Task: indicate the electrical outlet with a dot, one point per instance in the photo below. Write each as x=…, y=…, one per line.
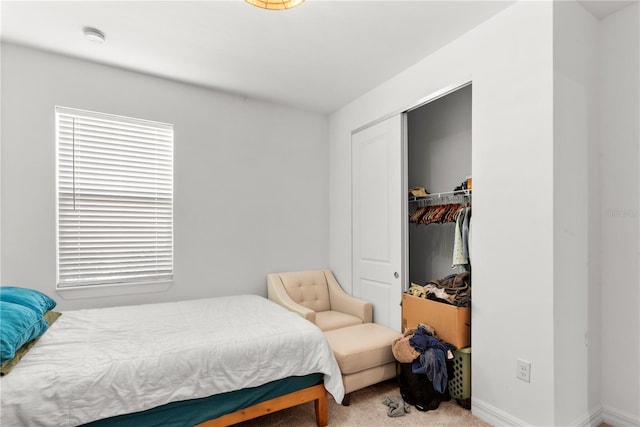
x=524, y=370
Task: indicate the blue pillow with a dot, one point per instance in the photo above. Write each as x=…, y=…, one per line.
x=35, y=300
x=20, y=325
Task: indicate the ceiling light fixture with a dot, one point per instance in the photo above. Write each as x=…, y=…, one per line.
x=275, y=4
x=93, y=35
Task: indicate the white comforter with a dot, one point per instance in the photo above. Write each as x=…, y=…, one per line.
x=94, y=364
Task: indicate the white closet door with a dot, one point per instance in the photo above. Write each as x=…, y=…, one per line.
x=377, y=218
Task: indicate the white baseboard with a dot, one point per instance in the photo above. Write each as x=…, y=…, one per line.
x=618, y=418
x=593, y=419
x=497, y=417
x=492, y=415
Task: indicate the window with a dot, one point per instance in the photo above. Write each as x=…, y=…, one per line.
x=115, y=200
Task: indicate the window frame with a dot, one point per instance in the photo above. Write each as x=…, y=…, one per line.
x=112, y=286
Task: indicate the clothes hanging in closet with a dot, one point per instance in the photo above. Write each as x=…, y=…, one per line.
x=461, y=258
x=435, y=214
x=458, y=213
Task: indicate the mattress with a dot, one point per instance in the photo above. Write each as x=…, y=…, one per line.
x=99, y=363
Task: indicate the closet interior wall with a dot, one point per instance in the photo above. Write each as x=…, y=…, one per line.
x=439, y=159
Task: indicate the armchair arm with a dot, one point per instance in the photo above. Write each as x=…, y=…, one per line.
x=278, y=294
x=345, y=303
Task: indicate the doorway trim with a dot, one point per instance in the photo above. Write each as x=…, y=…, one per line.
x=419, y=103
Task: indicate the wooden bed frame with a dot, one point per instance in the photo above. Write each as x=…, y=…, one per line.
x=316, y=393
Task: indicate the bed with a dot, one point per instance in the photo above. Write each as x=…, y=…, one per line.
x=219, y=361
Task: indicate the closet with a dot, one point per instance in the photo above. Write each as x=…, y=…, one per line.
x=438, y=149
x=439, y=160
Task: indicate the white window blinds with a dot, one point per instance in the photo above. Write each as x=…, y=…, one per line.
x=115, y=199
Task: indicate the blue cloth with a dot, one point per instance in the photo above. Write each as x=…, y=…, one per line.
x=421, y=341
x=432, y=360
x=30, y=298
x=433, y=364
x=20, y=325
x=424, y=362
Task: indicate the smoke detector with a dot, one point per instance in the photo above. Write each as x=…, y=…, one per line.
x=93, y=35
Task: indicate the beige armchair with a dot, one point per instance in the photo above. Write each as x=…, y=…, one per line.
x=362, y=348
x=317, y=296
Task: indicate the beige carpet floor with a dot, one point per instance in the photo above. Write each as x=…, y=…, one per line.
x=367, y=409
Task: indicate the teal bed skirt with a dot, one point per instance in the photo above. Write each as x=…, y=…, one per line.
x=191, y=412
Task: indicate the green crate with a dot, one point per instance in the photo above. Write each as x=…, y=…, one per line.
x=460, y=384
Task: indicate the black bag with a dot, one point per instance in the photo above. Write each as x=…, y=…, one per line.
x=417, y=390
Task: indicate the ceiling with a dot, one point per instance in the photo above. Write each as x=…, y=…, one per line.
x=317, y=56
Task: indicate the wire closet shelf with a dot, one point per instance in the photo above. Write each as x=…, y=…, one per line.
x=444, y=198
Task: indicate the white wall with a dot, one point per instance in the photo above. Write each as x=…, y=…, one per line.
x=509, y=59
x=556, y=140
x=575, y=107
x=250, y=187
x=620, y=211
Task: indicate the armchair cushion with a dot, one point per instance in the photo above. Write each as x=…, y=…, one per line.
x=307, y=288
x=277, y=293
x=329, y=320
x=317, y=296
